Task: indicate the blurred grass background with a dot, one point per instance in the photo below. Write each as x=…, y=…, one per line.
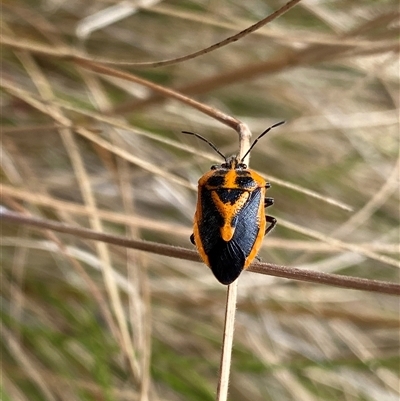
x=87, y=321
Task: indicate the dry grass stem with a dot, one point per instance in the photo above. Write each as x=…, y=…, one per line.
x=183, y=253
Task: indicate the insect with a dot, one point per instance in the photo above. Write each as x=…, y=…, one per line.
x=230, y=220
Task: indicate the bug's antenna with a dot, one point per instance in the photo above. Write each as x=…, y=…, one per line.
x=206, y=141
x=259, y=137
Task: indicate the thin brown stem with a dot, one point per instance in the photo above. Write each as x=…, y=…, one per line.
x=355, y=283
x=231, y=39
x=162, y=90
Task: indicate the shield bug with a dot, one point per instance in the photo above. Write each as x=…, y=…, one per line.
x=230, y=220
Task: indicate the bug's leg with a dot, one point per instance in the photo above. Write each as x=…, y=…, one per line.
x=268, y=202
x=192, y=239
x=272, y=223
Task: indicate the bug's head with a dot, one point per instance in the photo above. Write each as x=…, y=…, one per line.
x=233, y=162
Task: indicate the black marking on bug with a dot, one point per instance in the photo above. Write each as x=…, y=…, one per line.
x=245, y=182
x=227, y=259
x=229, y=195
x=216, y=180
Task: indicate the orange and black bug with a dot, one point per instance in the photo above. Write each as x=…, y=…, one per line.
x=230, y=220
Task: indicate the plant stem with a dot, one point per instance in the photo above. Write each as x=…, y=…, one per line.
x=227, y=342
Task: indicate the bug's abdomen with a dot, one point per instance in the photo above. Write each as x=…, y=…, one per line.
x=233, y=215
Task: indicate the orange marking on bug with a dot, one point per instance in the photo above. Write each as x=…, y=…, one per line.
x=228, y=211
x=196, y=233
x=230, y=180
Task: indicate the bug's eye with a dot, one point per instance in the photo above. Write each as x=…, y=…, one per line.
x=242, y=165
x=214, y=167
